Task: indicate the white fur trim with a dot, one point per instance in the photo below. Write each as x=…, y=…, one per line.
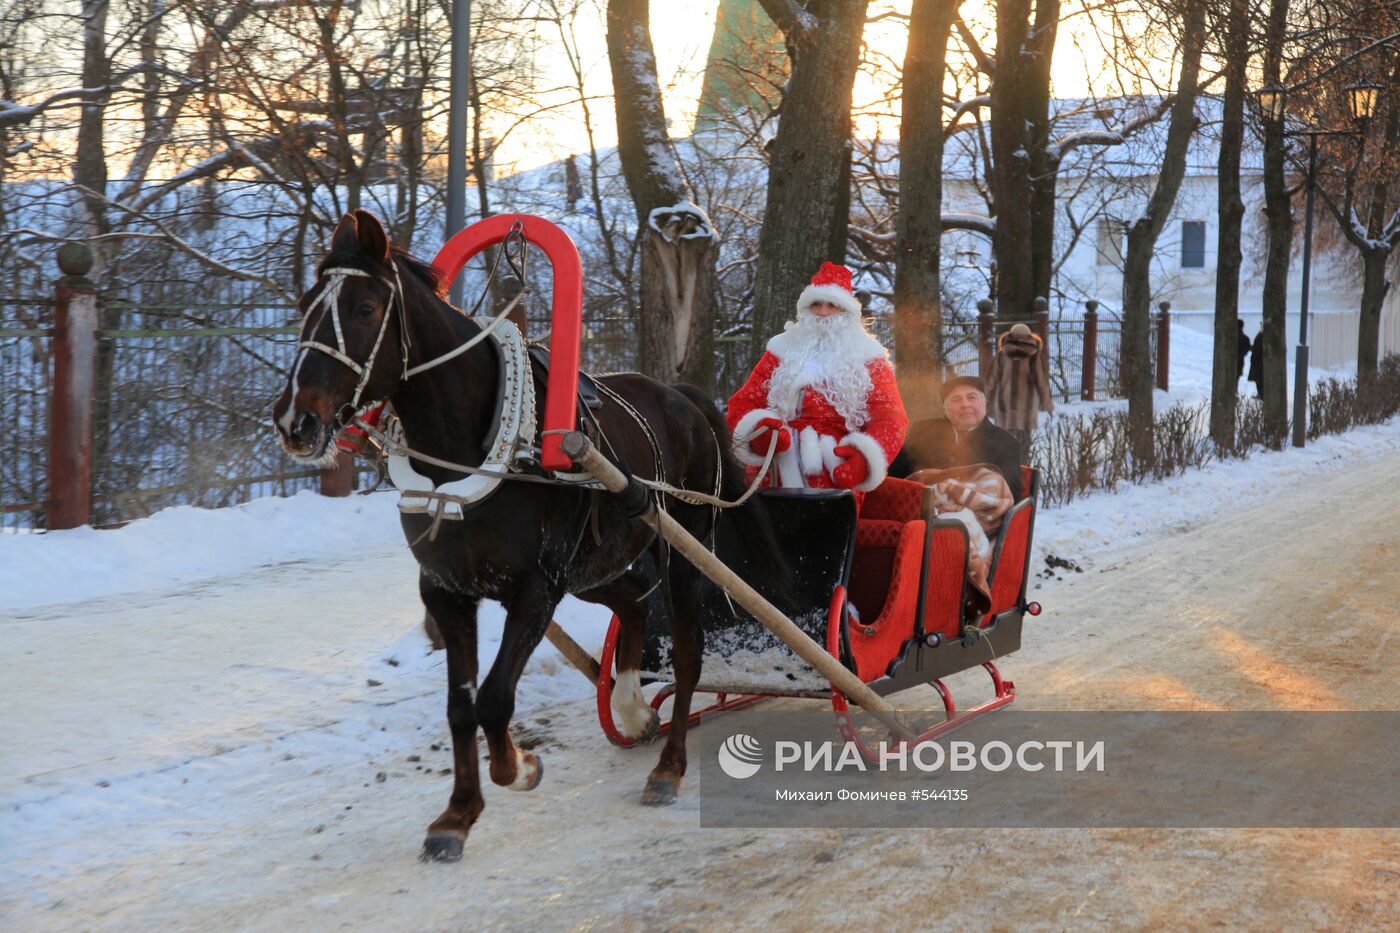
x=744, y=428
x=832, y=293
x=789, y=470
x=809, y=451
x=874, y=455
x=829, y=458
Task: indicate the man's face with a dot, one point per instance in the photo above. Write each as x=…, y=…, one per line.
x=965, y=407
x=823, y=308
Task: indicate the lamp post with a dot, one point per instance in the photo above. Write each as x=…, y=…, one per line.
x=458, y=93
x=1273, y=99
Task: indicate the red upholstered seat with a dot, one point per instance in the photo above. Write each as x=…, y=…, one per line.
x=884, y=589
x=896, y=500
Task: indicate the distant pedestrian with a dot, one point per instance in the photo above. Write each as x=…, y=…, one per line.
x=1242, y=349
x=573, y=186
x=1018, y=389
x=1256, y=361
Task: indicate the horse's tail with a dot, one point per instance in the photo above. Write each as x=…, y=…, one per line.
x=765, y=568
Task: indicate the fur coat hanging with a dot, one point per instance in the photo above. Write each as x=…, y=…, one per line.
x=1019, y=387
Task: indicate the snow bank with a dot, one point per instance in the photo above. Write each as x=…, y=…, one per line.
x=185, y=544
x=1099, y=523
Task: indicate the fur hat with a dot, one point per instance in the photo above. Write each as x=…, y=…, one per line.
x=832, y=283
x=957, y=382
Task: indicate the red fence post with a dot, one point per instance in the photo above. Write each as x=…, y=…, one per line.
x=1164, y=326
x=339, y=480
x=70, y=404
x=1091, y=350
x=986, y=337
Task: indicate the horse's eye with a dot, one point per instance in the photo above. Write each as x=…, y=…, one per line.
x=365, y=311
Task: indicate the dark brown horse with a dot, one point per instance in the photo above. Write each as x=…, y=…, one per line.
x=527, y=544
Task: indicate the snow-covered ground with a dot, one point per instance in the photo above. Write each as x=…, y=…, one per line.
x=230, y=719
x=262, y=749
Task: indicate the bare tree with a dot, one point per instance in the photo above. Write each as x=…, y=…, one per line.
x=808, y=197
x=1144, y=231
x=677, y=239
x=1234, y=30
x=1278, y=210
x=918, y=340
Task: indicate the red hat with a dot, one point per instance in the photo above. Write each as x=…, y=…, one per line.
x=831, y=283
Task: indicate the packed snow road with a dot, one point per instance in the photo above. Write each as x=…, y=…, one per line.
x=264, y=750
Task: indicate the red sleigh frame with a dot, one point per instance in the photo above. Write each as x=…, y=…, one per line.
x=918, y=634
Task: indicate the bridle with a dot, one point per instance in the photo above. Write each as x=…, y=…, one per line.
x=330, y=299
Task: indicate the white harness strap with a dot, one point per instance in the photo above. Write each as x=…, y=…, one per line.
x=516, y=426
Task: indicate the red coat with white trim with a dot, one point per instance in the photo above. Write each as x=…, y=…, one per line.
x=810, y=456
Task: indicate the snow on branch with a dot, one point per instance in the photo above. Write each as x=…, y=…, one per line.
x=964, y=107
x=685, y=216
x=976, y=223
x=13, y=114
x=1109, y=137
x=987, y=226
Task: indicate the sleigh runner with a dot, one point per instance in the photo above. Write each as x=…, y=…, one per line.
x=886, y=594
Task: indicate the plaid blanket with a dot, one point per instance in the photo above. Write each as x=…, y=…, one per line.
x=977, y=496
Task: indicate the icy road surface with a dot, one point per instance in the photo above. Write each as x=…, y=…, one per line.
x=264, y=750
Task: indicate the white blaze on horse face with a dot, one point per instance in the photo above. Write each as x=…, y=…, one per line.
x=285, y=422
x=629, y=704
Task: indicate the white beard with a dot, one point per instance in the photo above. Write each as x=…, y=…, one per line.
x=828, y=355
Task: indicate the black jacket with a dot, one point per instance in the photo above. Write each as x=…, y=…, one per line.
x=934, y=445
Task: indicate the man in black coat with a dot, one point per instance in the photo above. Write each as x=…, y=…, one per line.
x=1242, y=348
x=964, y=437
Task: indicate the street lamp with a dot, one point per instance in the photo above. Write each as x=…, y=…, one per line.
x=1363, y=99
x=1273, y=100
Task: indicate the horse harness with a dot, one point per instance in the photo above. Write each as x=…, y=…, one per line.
x=511, y=446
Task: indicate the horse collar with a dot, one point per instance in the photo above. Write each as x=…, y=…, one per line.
x=514, y=429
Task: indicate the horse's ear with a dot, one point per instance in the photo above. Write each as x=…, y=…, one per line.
x=344, y=239
x=374, y=242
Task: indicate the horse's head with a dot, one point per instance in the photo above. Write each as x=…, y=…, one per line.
x=352, y=349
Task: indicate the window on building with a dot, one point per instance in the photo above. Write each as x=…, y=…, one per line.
x=1113, y=235
x=1193, y=244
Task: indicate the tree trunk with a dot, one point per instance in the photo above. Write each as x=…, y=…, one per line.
x=809, y=155
x=1044, y=170
x=1374, y=288
x=918, y=317
x=1278, y=211
x=1225, y=377
x=1010, y=174
x=677, y=240
x=90, y=172
x=1143, y=234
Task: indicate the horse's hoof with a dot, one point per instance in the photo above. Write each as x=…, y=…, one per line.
x=442, y=847
x=529, y=771
x=660, y=792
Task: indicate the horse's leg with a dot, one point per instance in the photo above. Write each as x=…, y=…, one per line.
x=455, y=615
x=627, y=597
x=664, y=782
x=527, y=616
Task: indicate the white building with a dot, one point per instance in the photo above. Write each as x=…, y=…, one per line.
x=1101, y=187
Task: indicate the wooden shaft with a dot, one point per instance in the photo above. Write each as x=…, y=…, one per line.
x=572, y=651
x=582, y=452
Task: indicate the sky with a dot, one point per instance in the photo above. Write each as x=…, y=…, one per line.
x=681, y=33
